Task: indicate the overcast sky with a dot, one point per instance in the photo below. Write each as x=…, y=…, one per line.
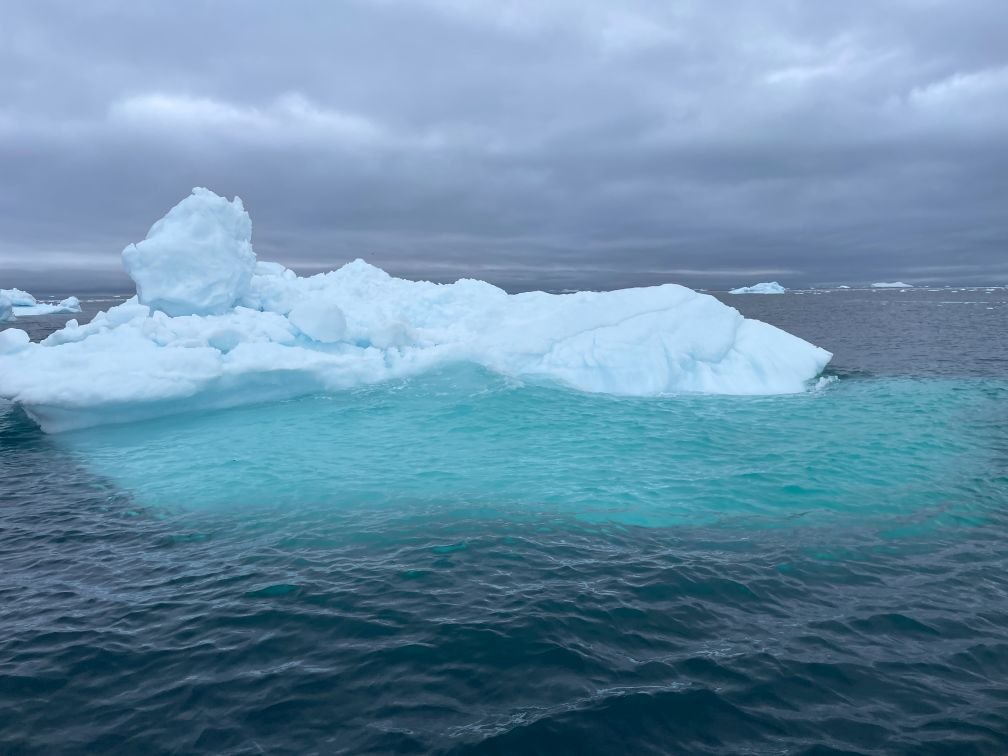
x=552, y=142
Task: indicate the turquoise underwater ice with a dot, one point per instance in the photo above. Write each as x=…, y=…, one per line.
x=464, y=438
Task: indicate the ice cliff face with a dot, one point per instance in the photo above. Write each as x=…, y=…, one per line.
x=210, y=327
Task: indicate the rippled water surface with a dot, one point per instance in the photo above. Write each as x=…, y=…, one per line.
x=459, y=563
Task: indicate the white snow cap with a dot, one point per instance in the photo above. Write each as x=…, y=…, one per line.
x=891, y=285
x=197, y=260
x=761, y=288
x=283, y=336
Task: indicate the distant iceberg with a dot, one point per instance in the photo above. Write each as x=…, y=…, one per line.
x=761, y=288
x=68, y=305
x=24, y=304
x=891, y=285
x=211, y=327
x=843, y=286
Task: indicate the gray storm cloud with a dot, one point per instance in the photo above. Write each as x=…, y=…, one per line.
x=565, y=143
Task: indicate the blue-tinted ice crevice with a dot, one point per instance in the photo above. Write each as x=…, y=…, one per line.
x=212, y=327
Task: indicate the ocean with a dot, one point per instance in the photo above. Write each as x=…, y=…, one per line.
x=463, y=563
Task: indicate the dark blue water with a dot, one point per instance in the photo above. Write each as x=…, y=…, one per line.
x=383, y=618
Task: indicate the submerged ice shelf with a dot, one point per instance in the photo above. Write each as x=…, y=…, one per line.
x=461, y=438
x=211, y=327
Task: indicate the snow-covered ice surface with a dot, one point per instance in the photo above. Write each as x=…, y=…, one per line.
x=771, y=287
x=891, y=285
x=211, y=328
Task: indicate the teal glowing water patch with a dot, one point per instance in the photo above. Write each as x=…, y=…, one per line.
x=468, y=439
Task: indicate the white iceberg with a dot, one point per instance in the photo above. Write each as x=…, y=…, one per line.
x=68, y=305
x=891, y=285
x=287, y=336
x=843, y=286
x=24, y=304
x=761, y=288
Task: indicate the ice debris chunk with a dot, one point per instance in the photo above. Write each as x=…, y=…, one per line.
x=13, y=340
x=319, y=319
x=176, y=346
x=197, y=260
x=6, y=308
x=891, y=285
x=771, y=287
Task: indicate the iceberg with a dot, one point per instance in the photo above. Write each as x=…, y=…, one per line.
x=761, y=288
x=24, y=304
x=68, y=305
x=210, y=327
x=891, y=285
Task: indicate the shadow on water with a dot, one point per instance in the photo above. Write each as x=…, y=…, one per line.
x=44, y=490
x=16, y=429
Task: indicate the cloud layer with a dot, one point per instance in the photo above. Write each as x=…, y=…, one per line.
x=556, y=143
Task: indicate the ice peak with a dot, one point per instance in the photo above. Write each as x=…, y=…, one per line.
x=197, y=260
